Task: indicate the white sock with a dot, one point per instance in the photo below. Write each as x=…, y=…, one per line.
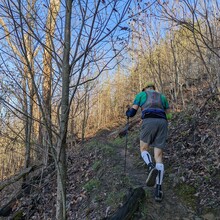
x=146, y=157
x=160, y=168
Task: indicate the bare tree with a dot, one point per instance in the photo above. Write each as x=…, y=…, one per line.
x=81, y=36
x=25, y=67
x=201, y=18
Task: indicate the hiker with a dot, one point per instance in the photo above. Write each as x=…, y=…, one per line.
x=154, y=114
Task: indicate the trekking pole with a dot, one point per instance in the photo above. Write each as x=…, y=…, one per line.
x=126, y=143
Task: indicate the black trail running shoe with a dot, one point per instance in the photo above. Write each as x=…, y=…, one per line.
x=151, y=179
x=158, y=193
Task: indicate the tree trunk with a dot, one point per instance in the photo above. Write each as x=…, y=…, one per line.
x=176, y=77
x=47, y=80
x=85, y=112
x=61, y=156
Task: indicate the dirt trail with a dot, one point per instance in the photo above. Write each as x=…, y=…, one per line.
x=171, y=207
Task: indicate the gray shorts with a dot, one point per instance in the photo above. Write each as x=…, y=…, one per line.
x=154, y=132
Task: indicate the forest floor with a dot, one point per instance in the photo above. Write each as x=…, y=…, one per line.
x=105, y=191
x=98, y=180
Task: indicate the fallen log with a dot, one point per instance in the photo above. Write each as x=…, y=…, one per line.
x=25, y=190
x=124, y=130
x=7, y=208
x=17, y=177
x=135, y=197
x=121, y=132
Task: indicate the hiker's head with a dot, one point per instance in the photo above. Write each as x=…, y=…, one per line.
x=149, y=85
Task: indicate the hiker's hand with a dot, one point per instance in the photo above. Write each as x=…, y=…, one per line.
x=131, y=112
x=128, y=112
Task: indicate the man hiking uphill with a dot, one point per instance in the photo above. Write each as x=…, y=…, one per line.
x=154, y=129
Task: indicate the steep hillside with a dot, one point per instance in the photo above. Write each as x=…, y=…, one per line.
x=99, y=179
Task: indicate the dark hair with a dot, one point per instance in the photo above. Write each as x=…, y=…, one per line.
x=151, y=86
